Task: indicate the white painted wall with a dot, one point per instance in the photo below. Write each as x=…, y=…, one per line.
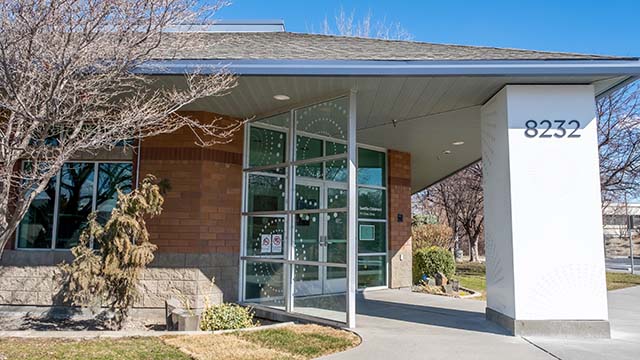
x=545, y=258
x=497, y=207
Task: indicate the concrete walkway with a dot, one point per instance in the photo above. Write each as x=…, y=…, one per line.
x=399, y=324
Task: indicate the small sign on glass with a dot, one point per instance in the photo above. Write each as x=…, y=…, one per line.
x=265, y=240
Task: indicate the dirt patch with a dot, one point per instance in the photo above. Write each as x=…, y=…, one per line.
x=205, y=347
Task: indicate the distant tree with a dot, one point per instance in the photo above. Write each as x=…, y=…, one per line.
x=460, y=197
x=67, y=87
x=348, y=24
x=619, y=143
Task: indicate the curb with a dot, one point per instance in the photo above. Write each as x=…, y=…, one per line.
x=108, y=334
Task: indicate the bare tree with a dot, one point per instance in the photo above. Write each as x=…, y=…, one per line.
x=366, y=26
x=460, y=198
x=619, y=143
x=67, y=87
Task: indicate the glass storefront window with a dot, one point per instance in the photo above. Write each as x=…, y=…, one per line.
x=331, y=304
x=79, y=192
x=372, y=166
x=329, y=119
x=265, y=193
x=371, y=203
x=267, y=147
x=372, y=271
x=36, y=228
x=336, y=198
x=307, y=197
x=313, y=210
x=265, y=236
x=75, y=202
x=264, y=282
x=111, y=178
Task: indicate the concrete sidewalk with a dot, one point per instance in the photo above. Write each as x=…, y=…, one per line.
x=400, y=324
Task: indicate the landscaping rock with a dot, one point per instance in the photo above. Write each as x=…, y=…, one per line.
x=170, y=306
x=448, y=289
x=456, y=285
x=441, y=279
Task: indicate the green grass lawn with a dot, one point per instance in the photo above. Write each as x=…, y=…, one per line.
x=297, y=342
x=472, y=276
x=621, y=280
x=290, y=342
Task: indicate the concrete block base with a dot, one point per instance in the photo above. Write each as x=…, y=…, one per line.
x=599, y=329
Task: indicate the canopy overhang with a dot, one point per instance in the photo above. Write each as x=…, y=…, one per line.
x=421, y=107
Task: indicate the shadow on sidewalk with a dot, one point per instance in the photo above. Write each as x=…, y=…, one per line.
x=428, y=315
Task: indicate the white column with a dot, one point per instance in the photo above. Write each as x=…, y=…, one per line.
x=352, y=214
x=543, y=222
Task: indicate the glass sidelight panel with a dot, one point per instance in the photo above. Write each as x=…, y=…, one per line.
x=372, y=167
x=264, y=283
x=371, y=203
x=336, y=243
x=372, y=271
x=265, y=236
x=265, y=193
x=371, y=237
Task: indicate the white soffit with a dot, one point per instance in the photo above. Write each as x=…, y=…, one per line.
x=429, y=112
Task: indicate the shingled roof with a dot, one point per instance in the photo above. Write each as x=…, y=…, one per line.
x=298, y=46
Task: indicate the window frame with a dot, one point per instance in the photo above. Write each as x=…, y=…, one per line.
x=56, y=205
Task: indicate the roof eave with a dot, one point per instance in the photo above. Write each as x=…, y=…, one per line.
x=265, y=67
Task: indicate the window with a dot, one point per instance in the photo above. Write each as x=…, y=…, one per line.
x=372, y=218
x=58, y=215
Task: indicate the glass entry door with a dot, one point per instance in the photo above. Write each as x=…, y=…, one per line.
x=320, y=237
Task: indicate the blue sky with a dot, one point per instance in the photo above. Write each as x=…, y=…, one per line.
x=609, y=27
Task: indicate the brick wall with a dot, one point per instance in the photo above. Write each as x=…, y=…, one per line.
x=399, y=187
x=200, y=224
x=198, y=233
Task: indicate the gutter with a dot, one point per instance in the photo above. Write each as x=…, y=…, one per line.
x=630, y=67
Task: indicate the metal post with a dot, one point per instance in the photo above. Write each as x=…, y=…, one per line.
x=352, y=223
x=289, y=285
x=629, y=231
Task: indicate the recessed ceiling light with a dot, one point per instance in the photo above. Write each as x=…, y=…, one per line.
x=447, y=152
x=281, y=97
x=457, y=143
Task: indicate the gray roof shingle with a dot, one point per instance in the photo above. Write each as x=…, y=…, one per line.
x=298, y=46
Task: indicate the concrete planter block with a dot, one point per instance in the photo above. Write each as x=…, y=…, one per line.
x=187, y=321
